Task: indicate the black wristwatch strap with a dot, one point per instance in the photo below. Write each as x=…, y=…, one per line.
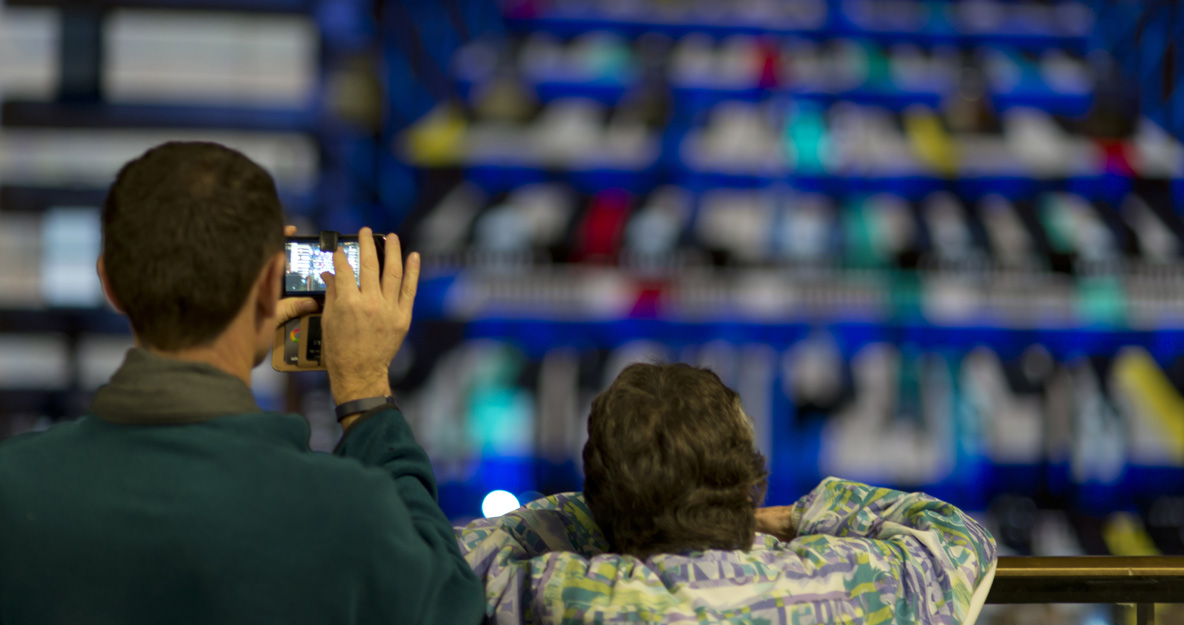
x=362, y=405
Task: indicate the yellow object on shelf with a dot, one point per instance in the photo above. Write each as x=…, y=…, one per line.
x=437, y=140
x=1125, y=536
x=1150, y=392
x=930, y=142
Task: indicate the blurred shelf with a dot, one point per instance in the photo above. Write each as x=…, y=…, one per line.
x=918, y=185
x=537, y=336
x=597, y=303
x=572, y=23
x=751, y=303
x=240, y=6
x=32, y=401
x=26, y=199
x=34, y=114
x=495, y=176
x=35, y=199
x=83, y=320
x=694, y=99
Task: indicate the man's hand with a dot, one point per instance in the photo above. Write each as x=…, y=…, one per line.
x=776, y=521
x=363, y=326
x=292, y=307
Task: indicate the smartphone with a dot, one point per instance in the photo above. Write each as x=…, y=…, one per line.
x=305, y=261
x=297, y=343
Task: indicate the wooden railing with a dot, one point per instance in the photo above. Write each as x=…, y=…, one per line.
x=1131, y=584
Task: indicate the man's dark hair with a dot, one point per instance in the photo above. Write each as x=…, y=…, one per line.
x=671, y=463
x=186, y=229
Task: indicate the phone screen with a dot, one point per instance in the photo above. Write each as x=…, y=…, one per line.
x=306, y=262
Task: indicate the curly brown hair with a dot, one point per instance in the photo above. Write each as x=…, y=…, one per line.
x=671, y=463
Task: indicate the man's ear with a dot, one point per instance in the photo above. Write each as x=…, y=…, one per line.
x=267, y=295
x=102, y=269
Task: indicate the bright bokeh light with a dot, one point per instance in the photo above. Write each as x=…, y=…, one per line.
x=498, y=502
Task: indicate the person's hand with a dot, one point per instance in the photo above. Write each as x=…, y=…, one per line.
x=363, y=326
x=290, y=308
x=776, y=521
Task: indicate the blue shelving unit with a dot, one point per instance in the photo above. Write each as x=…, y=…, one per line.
x=797, y=451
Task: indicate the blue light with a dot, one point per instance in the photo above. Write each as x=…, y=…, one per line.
x=498, y=502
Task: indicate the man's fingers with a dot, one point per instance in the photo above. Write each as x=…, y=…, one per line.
x=410, y=284
x=293, y=307
x=330, y=289
x=392, y=275
x=289, y=230
x=345, y=280
x=368, y=261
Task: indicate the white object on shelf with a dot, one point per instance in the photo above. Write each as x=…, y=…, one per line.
x=28, y=52
x=1010, y=242
x=33, y=361
x=210, y=58
x=1011, y=422
x=1065, y=74
x=948, y=230
x=1157, y=154
x=99, y=357
x=20, y=256
x=446, y=226
x=71, y=240
x=1156, y=241
x=739, y=139
x=738, y=221
x=91, y=158
x=867, y=440
x=1043, y=148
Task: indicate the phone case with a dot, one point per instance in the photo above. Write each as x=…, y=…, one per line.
x=297, y=345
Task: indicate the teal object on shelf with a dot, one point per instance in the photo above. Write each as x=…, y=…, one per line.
x=879, y=74
x=1101, y=301
x=806, y=137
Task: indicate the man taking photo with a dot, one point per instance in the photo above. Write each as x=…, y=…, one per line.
x=176, y=499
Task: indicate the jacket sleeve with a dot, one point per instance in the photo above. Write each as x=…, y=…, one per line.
x=893, y=553
x=450, y=592
x=548, y=541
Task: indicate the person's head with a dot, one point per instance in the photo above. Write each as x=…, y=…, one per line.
x=671, y=463
x=193, y=245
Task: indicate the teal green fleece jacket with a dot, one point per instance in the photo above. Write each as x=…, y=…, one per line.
x=179, y=501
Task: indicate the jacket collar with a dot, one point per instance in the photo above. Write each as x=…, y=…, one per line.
x=149, y=389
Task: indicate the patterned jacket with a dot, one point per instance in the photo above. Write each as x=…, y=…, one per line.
x=863, y=556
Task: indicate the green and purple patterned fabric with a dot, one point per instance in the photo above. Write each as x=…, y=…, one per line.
x=863, y=556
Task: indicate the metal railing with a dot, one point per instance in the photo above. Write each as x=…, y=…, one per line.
x=1131, y=584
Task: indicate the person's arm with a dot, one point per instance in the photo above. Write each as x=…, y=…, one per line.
x=889, y=551
x=365, y=320
x=555, y=533
x=448, y=590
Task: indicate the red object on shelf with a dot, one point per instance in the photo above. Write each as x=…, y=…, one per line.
x=770, y=60
x=1116, y=157
x=647, y=304
x=525, y=9
x=598, y=239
